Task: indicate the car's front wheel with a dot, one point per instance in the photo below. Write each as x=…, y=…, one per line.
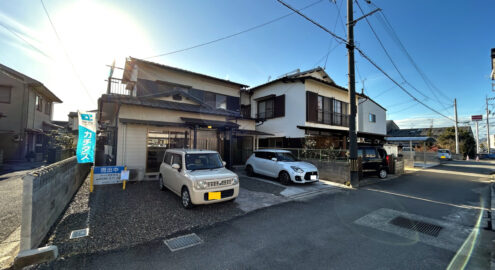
x=186, y=198
x=249, y=170
x=382, y=173
x=284, y=178
x=160, y=181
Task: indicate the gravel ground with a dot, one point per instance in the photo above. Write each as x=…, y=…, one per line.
x=123, y=218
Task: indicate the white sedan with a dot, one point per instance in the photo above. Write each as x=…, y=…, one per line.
x=283, y=165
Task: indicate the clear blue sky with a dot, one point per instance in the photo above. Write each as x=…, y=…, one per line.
x=449, y=40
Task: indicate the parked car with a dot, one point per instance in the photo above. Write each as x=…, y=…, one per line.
x=486, y=156
x=408, y=152
x=374, y=159
x=198, y=177
x=283, y=165
x=444, y=154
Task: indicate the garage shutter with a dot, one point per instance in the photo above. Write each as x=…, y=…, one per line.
x=279, y=106
x=311, y=107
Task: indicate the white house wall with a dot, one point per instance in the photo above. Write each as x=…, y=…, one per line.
x=131, y=147
x=380, y=126
x=295, y=109
x=327, y=91
x=153, y=73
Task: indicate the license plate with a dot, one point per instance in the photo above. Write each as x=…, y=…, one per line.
x=313, y=177
x=214, y=195
x=443, y=156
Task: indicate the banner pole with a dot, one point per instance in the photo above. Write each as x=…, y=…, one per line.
x=123, y=184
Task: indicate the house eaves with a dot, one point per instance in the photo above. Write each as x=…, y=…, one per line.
x=131, y=61
x=168, y=105
x=30, y=82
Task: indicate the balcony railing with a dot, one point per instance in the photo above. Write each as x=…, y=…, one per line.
x=117, y=87
x=334, y=119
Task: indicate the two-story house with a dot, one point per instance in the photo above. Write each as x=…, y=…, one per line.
x=26, y=109
x=164, y=107
x=372, y=121
x=310, y=104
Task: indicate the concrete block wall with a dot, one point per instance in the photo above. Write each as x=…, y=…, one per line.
x=46, y=193
x=335, y=171
x=399, y=167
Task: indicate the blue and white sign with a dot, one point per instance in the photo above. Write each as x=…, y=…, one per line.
x=87, y=137
x=107, y=175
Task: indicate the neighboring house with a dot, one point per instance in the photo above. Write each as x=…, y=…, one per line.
x=26, y=106
x=164, y=107
x=309, y=103
x=372, y=121
x=391, y=125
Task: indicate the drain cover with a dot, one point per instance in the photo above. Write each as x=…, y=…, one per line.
x=183, y=241
x=79, y=233
x=415, y=225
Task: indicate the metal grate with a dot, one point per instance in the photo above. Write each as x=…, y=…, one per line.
x=183, y=241
x=79, y=233
x=415, y=225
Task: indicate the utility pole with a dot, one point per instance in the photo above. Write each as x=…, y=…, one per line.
x=487, y=126
x=456, y=128
x=352, y=97
x=477, y=139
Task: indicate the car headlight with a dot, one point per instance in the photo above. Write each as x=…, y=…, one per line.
x=200, y=184
x=235, y=180
x=297, y=169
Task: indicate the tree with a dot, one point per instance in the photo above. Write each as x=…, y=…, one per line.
x=467, y=144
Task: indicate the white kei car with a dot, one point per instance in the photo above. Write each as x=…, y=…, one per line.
x=198, y=177
x=281, y=164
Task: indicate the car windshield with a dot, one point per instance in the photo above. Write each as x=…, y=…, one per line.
x=287, y=157
x=203, y=161
x=443, y=151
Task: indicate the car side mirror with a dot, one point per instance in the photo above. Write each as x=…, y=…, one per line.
x=175, y=166
x=274, y=159
x=224, y=163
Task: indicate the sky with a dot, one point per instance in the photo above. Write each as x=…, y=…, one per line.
x=448, y=41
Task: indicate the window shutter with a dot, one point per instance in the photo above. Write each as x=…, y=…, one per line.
x=279, y=106
x=311, y=106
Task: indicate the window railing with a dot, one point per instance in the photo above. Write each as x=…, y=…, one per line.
x=316, y=154
x=265, y=115
x=333, y=118
x=117, y=87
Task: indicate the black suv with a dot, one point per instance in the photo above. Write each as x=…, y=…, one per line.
x=374, y=159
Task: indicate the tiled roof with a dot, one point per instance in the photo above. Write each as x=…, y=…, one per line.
x=169, y=105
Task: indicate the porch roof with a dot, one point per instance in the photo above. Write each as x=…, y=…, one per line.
x=212, y=123
x=169, y=105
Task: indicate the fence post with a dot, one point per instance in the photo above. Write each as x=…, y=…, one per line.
x=298, y=153
x=320, y=154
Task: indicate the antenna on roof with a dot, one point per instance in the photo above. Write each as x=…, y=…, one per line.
x=288, y=73
x=269, y=77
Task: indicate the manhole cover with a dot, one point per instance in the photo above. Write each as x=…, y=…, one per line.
x=415, y=225
x=183, y=241
x=79, y=233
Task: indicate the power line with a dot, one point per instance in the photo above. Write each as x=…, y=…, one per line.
x=388, y=26
x=65, y=51
x=366, y=57
x=27, y=42
x=232, y=35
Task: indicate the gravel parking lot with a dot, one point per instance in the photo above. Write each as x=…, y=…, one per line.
x=142, y=213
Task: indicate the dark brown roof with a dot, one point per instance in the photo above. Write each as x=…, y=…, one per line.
x=169, y=105
x=131, y=60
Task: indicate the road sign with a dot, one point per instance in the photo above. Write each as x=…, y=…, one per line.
x=476, y=117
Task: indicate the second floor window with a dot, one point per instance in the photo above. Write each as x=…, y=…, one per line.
x=5, y=93
x=39, y=103
x=372, y=118
x=215, y=100
x=326, y=110
x=265, y=109
x=48, y=108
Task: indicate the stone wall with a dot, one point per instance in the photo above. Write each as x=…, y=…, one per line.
x=46, y=193
x=335, y=171
x=398, y=167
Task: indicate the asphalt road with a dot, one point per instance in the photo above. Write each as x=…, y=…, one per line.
x=349, y=229
x=10, y=205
